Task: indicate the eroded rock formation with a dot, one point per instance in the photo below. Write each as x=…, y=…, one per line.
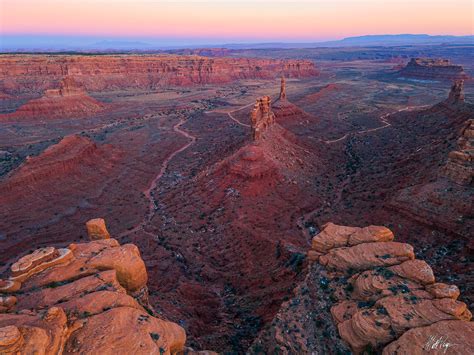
x=456, y=94
x=283, y=89
x=36, y=73
x=365, y=292
x=69, y=100
x=382, y=291
x=433, y=69
x=261, y=117
x=86, y=298
x=96, y=229
x=460, y=165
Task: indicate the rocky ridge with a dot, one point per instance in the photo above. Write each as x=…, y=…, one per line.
x=378, y=295
x=58, y=300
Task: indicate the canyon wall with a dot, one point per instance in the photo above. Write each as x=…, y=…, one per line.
x=36, y=73
x=86, y=298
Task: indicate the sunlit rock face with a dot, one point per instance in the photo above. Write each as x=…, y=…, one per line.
x=86, y=298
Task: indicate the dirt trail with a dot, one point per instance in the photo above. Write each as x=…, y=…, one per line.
x=236, y=120
x=154, y=183
x=383, y=119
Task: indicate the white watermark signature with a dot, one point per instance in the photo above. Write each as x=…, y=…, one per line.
x=438, y=343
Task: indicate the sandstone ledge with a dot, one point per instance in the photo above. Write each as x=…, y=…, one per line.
x=383, y=295
x=87, y=298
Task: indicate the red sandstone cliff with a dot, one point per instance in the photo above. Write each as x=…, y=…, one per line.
x=36, y=73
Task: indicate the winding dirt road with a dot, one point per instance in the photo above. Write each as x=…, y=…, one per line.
x=235, y=119
x=154, y=183
x=382, y=118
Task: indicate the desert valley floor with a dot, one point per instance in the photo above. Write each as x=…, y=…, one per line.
x=224, y=223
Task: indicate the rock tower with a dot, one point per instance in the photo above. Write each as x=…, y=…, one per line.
x=283, y=89
x=261, y=117
x=456, y=95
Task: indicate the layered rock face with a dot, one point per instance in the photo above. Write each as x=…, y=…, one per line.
x=366, y=293
x=384, y=293
x=261, y=117
x=460, y=165
x=433, y=69
x=69, y=100
x=36, y=73
x=86, y=298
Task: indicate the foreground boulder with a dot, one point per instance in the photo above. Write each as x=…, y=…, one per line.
x=382, y=293
x=86, y=298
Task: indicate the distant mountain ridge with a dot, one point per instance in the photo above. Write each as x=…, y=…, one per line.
x=39, y=44
x=366, y=41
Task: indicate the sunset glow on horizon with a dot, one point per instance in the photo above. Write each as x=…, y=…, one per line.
x=301, y=20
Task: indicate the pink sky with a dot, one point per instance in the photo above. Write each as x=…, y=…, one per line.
x=258, y=19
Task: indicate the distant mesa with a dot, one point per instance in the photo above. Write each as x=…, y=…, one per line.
x=433, y=69
x=69, y=100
